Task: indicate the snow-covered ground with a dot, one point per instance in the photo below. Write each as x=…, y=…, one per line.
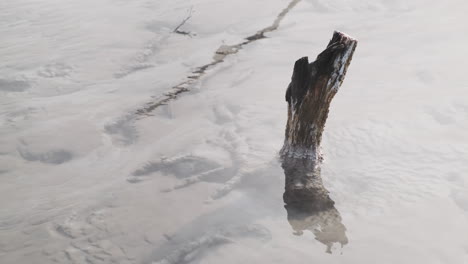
x=84, y=179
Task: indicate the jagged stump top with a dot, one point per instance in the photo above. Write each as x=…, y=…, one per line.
x=313, y=86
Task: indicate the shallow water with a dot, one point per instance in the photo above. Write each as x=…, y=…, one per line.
x=85, y=180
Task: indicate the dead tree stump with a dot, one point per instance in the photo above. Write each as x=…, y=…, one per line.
x=313, y=86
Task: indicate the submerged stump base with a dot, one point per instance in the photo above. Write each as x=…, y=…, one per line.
x=303, y=184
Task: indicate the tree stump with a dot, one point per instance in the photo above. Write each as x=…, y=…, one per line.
x=313, y=86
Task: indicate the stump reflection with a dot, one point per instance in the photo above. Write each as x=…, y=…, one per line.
x=308, y=203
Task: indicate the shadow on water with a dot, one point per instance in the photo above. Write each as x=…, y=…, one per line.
x=308, y=204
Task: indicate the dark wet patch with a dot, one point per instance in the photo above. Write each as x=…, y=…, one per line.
x=134, y=180
x=51, y=157
x=123, y=130
x=179, y=167
x=14, y=85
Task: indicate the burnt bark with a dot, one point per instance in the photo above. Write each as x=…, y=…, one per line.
x=309, y=94
x=313, y=86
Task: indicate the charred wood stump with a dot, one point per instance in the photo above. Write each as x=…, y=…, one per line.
x=312, y=88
